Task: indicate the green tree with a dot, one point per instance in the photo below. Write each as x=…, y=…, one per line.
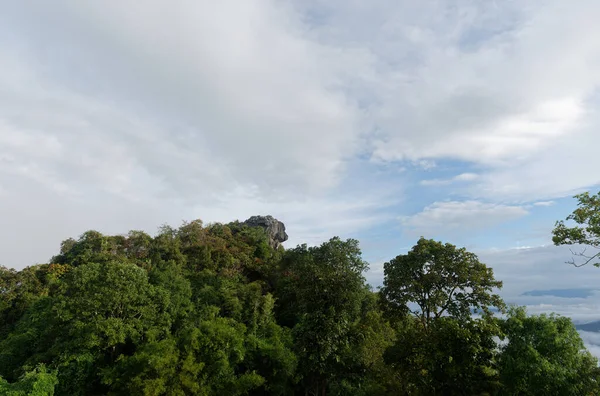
x=430, y=294
x=203, y=359
x=186, y=312
x=544, y=355
x=321, y=292
x=37, y=382
x=214, y=309
x=18, y=291
x=454, y=357
x=364, y=372
x=91, y=247
x=435, y=279
x=585, y=232
x=106, y=311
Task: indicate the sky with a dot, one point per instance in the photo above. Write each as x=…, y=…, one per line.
x=473, y=122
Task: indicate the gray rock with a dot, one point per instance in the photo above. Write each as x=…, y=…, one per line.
x=275, y=229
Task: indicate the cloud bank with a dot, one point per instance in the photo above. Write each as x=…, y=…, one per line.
x=127, y=116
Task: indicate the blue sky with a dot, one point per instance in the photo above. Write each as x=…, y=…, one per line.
x=471, y=122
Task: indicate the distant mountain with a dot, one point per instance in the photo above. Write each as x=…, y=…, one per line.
x=592, y=326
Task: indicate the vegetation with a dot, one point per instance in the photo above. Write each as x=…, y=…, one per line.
x=215, y=310
x=585, y=232
x=545, y=355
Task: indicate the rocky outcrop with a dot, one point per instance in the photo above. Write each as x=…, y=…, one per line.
x=275, y=229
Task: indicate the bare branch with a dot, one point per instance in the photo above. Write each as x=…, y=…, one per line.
x=581, y=254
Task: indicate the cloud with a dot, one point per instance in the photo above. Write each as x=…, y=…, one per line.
x=463, y=177
x=310, y=221
x=460, y=216
x=510, y=87
x=590, y=337
x=544, y=203
x=560, y=170
x=500, y=100
x=564, y=293
x=544, y=268
x=243, y=101
x=179, y=109
x=220, y=108
x=591, y=341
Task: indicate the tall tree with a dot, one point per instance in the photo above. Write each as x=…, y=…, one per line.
x=321, y=294
x=431, y=293
x=435, y=279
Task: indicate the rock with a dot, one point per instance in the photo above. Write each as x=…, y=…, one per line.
x=275, y=229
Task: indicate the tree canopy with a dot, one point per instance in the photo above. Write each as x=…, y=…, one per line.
x=216, y=309
x=438, y=279
x=544, y=355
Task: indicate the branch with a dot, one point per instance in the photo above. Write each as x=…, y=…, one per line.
x=581, y=254
x=438, y=314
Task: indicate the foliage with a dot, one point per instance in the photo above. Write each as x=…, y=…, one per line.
x=439, y=279
x=453, y=358
x=586, y=232
x=20, y=290
x=322, y=292
x=544, y=355
x=37, y=382
x=215, y=310
x=430, y=293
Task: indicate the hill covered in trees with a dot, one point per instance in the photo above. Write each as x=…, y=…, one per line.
x=222, y=309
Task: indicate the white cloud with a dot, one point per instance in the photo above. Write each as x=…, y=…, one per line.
x=544, y=203
x=502, y=100
x=178, y=108
x=581, y=312
x=222, y=108
x=591, y=341
x=242, y=92
x=510, y=86
x=544, y=268
x=590, y=337
x=466, y=177
x=460, y=216
x=562, y=169
x=463, y=177
x=309, y=221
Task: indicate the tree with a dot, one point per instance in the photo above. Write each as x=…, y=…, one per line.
x=91, y=247
x=435, y=279
x=107, y=311
x=586, y=232
x=364, y=372
x=454, y=357
x=18, y=291
x=544, y=355
x=431, y=293
x=37, y=382
x=215, y=310
x=320, y=296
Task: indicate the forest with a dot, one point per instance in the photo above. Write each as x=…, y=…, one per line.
x=218, y=309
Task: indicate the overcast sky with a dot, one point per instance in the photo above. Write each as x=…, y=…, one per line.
x=468, y=121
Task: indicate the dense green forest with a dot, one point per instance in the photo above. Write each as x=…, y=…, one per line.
x=219, y=309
